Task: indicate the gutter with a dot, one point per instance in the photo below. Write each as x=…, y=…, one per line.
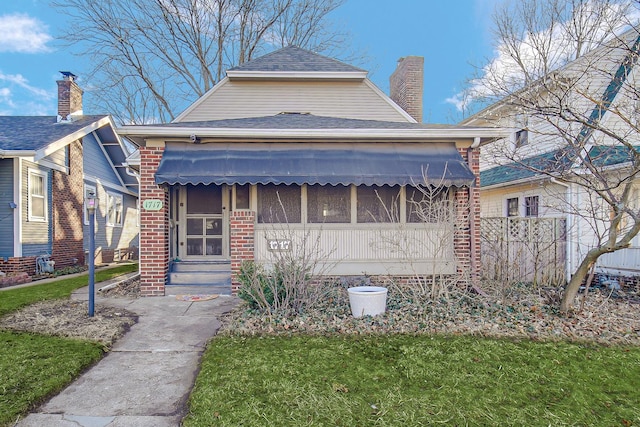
x=324, y=134
x=16, y=153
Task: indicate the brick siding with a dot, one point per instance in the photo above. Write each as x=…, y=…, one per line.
x=154, y=227
x=242, y=226
x=67, y=215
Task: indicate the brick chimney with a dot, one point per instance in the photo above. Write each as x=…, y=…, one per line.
x=69, y=97
x=406, y=85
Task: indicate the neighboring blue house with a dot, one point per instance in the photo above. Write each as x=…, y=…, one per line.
x=48, y=165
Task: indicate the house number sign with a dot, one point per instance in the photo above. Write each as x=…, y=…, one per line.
x=277, y=245
x=152, y=205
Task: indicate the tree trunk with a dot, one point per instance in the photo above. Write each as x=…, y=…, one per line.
x=577, y=279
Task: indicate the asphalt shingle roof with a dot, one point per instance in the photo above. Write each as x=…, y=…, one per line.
x=293, y=58
x=554, y=161
x=302, y=121
x=36, y=132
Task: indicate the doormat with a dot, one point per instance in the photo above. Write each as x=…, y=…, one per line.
x=196, y=297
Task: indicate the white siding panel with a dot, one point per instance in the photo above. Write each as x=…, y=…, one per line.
x=354, y=100
x=399, y=249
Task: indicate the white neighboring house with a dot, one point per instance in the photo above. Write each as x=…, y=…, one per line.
x=521, y=176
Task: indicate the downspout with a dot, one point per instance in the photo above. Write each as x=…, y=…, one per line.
x=569, y=231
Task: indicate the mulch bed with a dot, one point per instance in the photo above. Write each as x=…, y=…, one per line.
x=522, y=313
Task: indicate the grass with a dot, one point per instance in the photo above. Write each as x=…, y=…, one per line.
x=34, y=367
x=14, y=299
x=414, y=380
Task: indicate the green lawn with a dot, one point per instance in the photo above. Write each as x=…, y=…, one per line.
x=410, y=381
x=34, y=367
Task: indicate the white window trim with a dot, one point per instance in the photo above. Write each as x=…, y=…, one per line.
x=45, y=189
x=108, y=210
x=84, y=202
x=506, y=206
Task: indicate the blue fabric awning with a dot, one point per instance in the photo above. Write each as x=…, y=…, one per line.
x=313, y=163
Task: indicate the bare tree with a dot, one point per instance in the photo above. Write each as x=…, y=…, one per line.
x=151, y=58
x=567, y=77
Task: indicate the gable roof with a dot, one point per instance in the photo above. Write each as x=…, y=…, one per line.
x=33, y=133
x=40, y=136
x=294, y=59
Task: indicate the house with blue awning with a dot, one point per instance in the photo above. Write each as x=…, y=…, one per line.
x=301, y=144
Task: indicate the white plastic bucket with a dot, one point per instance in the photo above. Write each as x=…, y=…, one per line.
x=367, y=300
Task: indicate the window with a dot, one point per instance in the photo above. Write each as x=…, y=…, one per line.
x=378, y=204
x=38, y=189
x=88, y=189
x=513, y=207
x=522, y=138
x=328, y=204
x=279, y=204
x=428, y=204
x=114, y=209
x=531, y=205
x=242, y=196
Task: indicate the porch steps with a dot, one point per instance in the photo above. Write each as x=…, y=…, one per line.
x=201, y=277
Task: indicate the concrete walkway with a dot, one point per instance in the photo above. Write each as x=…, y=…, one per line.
x=146, y=378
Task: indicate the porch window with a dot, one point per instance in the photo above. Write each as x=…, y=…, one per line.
x=114, y=210
x=328, y=204
x=378, y=204
x=531, y=206
x=428, y=204
x=279, y=204
x=37, y=196
x=513, y=206
x=242, y=196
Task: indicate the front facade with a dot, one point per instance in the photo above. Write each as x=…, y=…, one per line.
x=300, y=154
x=522, y=175
x=47, y=167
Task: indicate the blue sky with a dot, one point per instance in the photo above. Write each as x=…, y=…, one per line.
x=450, y=35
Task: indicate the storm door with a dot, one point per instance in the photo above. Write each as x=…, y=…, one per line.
x=205, y=229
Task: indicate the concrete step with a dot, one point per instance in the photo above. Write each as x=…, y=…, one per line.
x=184, y=266
x=191, y=289
x=199, y=277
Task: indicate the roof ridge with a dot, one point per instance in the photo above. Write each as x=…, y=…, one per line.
x=293, y=58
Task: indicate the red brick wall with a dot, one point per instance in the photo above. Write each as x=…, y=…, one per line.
x=406, y=85
x=242, y=225
x=18, y=265
x=154, y=227
x=467, y=228
x=67, y=205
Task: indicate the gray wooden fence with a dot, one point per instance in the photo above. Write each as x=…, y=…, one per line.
x=524, y=250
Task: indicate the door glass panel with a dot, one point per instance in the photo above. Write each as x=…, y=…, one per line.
x=194, y=226
x=214, y=227
x=203, y=199
x=214, y=246
x=194, y=246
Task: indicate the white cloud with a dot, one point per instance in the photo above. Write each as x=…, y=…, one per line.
x=20, y=33
x=504, y=68
x=18, y=97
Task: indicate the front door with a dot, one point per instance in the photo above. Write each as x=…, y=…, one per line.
x=204, y=231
